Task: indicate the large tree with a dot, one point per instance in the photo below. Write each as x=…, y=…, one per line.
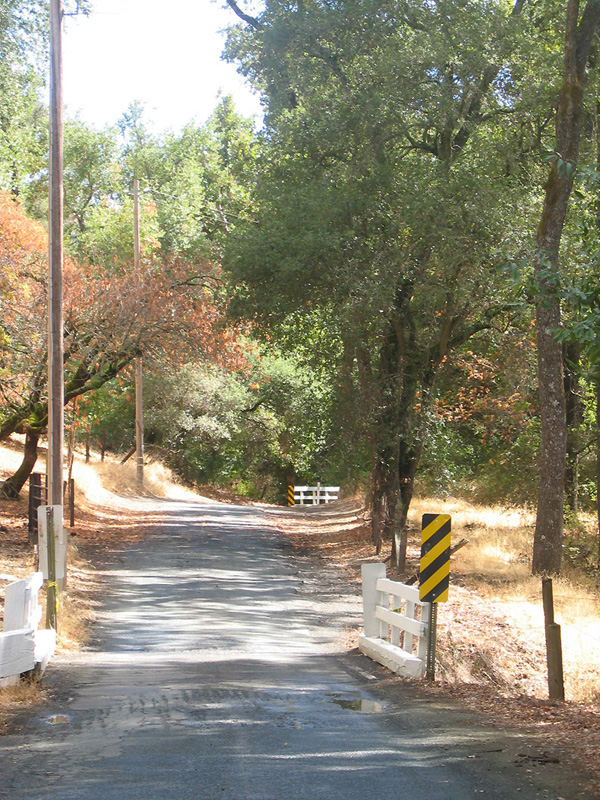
x=581, y=29
x=395, y=151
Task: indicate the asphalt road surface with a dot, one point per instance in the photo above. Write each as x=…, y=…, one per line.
x=217, y=672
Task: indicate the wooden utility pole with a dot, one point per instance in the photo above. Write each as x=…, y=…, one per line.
x=55, y=276
x=139, y=389
x=55, y=281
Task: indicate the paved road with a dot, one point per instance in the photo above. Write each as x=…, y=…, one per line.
x=217, y=674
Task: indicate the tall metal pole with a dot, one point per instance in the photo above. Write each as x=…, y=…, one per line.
x=139, y=391
x=55, y=275
x=55, y=282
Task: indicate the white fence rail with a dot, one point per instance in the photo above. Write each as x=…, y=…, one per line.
x=393, y=635
x=315, y=495
x=22, y=646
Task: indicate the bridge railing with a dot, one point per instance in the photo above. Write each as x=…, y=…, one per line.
x=315, y=495
x=395, y=623
x=22, y=646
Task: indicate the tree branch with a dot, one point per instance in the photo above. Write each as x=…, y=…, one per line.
x=252, y=21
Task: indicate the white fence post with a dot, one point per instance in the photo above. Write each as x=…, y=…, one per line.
x=370, y=574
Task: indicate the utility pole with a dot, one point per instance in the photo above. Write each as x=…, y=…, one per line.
x=55, y=277
x=139, y=389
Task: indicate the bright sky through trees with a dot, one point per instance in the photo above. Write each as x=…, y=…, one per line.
x=167, y=55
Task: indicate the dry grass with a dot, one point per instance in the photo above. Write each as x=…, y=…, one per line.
x=16, y=699
x=494, y=569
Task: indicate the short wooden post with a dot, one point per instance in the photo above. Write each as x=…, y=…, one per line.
x=72, y=502
x=556, y=687
x=35, y=500
x=370, y=575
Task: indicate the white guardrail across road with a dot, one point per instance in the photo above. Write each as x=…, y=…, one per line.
x=315, y=495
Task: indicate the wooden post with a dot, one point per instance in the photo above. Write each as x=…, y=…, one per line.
x=72, y=502
x=556, y=688
x=35, y=501
x=55, y=282
x=56, y=391
x=139, y=403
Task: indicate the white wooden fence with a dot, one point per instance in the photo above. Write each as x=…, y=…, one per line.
x=314, y=495
x=22, y=646
x=393, y=635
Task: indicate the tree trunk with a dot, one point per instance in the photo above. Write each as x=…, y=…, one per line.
x=579, y=36
x=547, y=544
x=597, y=393
x=574, y=419
x=12, y=486
x=390, y=379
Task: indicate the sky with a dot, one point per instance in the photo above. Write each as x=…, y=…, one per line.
x=165, y=54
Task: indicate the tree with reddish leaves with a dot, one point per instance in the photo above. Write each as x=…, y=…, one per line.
x=111, y=317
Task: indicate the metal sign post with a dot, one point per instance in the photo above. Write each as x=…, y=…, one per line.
x=434, y=575
x=431, y=641
x=52, y=588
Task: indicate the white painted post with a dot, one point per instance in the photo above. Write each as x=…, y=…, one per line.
x=33, y=610
x=318, y=493
x=59, y=539
x=14, y=606
x=408, y=637
x=370, y=575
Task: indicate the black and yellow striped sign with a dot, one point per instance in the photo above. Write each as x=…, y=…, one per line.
x=291, y=500
x=434, y=574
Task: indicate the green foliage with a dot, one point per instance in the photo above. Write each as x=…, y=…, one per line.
x=247, y=431
x=108, y=240
x=198, y=180
x=23, y=120
x=395, y=155
x=107, y=415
